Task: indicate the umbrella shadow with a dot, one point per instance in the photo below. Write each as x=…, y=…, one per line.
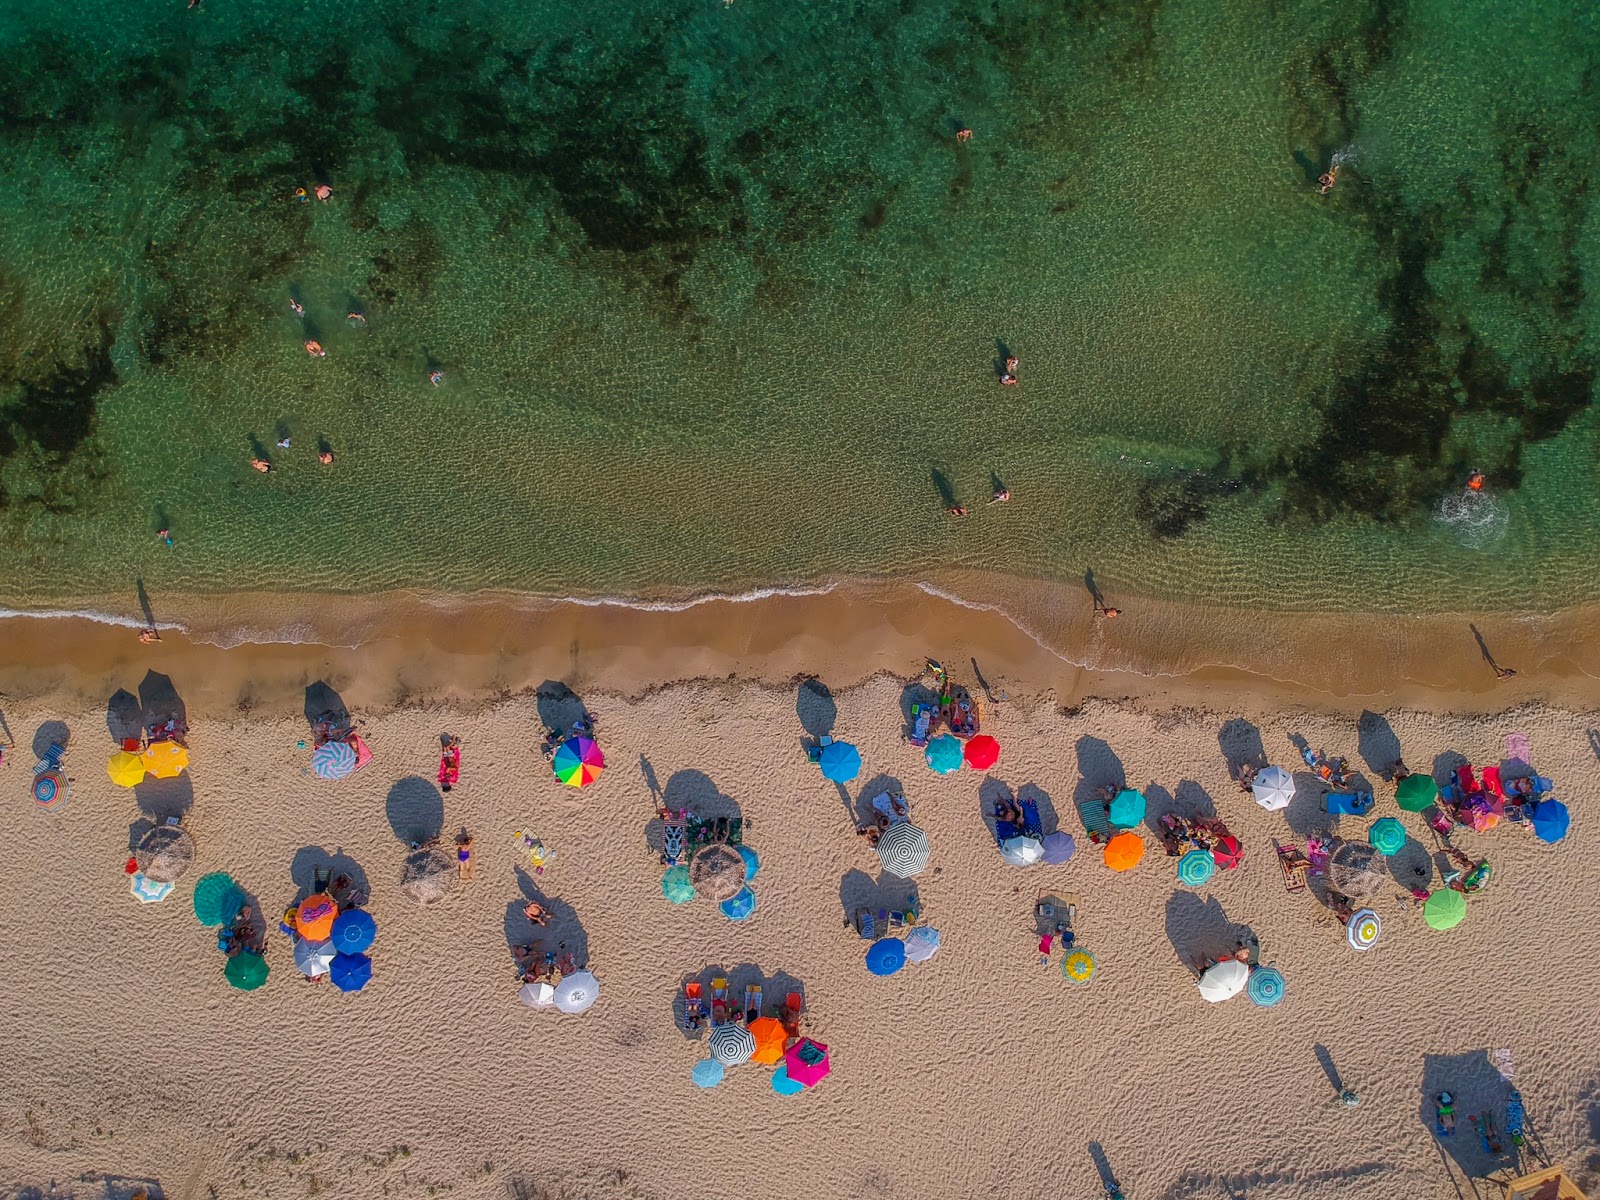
x=1190, y=799
x=308, y=859
x=1447, y=763
x=1098, y=767
x=564, y=932
x=1157, y=801
x=1198, y=928
x=1307, y=814
x=990, y=792
x=415, y=809
x=1241, y=745
x=124, y=717
x=918, y=693
x=1412, y=865
x=159, y=701
x=159, y=799
x=1377, y=744
x=561, y=708
x=861, y=810
x=695, y=791
x=858, y=890
x=815, y=706
x=1049, y=819
x=322, y=701
x=51, y=733
x=1476, y=1087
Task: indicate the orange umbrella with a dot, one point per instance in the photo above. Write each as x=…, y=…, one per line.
x=1124, y=851
x=770, y=1037
x=165, y=760
x=314, y=918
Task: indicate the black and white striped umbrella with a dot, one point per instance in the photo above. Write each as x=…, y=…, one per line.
x=903, y=850
x=731, y=1044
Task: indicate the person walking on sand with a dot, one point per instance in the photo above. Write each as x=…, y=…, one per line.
x=464, y=862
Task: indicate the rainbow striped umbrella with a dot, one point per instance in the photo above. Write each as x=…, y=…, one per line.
x=578, y=762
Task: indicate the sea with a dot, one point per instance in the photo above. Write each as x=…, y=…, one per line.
x=670, y=298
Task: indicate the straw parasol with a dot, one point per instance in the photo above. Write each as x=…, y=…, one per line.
x=718, y=871
x=165, y=854
x=1356, y=870
x=428, y=876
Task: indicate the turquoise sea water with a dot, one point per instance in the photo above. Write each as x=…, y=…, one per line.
x=718, y=296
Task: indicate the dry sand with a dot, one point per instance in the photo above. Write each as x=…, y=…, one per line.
x=127, y=1057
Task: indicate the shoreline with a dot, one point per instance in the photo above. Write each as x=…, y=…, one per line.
x=1028, y=638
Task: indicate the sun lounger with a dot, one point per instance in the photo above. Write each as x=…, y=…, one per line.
x=791, y=1014
x=1354, y=804
x=674, y=833
x=866, y=924
x=922, y=717
x=1031, y=826
x=694, y=1009
x=719, y=1002
x=752, y=1002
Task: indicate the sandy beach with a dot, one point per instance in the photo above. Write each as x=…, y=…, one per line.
x=132, y=1063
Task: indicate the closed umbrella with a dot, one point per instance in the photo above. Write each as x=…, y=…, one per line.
x=578, y=762
x=840, y=762
x=1124, y=851
x=1078, y=965
x=1273, y=788
x=165, y=854
x=1022, y=851
x=1550, y=821
x=944, y=754
x=315, y=916
x=165, y=760
x=921, y=943
x=740, y=905
x=806, y=1062
x=577, y=993
x=333, y=760
x=353, y=931
x=350, y=972
x=126, y=769
x=1265, y=987
x=717, y=871
x=1196, y=867
x=903, y=850
x=313, y=958
x=1224, y=980
x=707, y=1073
x=1415, y=792
x=731, y=1044
x=246, y=971
x=537, y=995
x=1363, y=930
x=770, y=1036
x=886, y=956
x=1387, y=836
x=981, y=753
x=676, y=885
x=217, y=898
x=1058, y=847
x=1127, y=809
x=149, y=891
x=1444, y=909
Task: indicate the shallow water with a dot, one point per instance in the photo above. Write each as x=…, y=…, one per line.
x=718, y=296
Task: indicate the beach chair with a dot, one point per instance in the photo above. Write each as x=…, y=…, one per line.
x=1353, y=804
x=1451, y=795
x=791, y=1014
x=752, y=1002
x=719, y=1002
x=1294, y=866
x=866, y=924
x=1442, y=822
x=694, y=1009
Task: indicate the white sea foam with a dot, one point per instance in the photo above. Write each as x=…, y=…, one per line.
x=73, y=614
x=687, y=603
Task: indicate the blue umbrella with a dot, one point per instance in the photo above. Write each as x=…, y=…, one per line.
x=1550, y=820
x=886, y=956
x=1195, y=867
x=740, y=905
x=752, y=864
x=841, y=762
x=1127, y=809
x=676, y=885
x=333, y=760
x=353, y=931
x=707, y=1073
x=944, y=754
x=1058, y=847
x=350, y=972
x=783, y=1085
x=1265, y=988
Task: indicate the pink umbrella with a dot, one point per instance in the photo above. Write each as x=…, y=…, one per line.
x=806, y=1062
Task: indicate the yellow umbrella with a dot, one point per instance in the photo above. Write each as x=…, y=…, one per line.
x=165, y=760
x=125, y=769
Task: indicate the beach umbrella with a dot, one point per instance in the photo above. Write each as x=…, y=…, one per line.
x=921, y=943
x=1127, y=809
x=944, y=754
x=1022, y=851
x=1195, y=868
x=707, y=1073
x=51, y=790
x=770, y=1036
x=752, y=862
x=1227, y=853
x=429, y=876
x=246, y=971
x=577, y=993
x=783, y=1085
x=717, y=871
x=1273, y=788
x=1550, y=821
x=840, y=762
x=981, y=753
x=314, y=917
x=578, y=762
x=217, y=898
x=165, y=760
x=1077, y=965
x=149, y=891
x=740, y=905
x=1415, y=792
x=1265, y=988
x=806, y=1062
x=313, y=957
x=1444, y=909
x=903, y=850
x=1356, y=870
x=1224, y=980
x=126, y=769
x=886, y=956
x=1124, y=851
x=731, y=1044
x=1363, y=930
x=1058, y=847
x=1387, y=836
x=333, y=760
x=165, y=854
x=537, y=995
x=676, y=885
x=350, y=972
x=353, y=931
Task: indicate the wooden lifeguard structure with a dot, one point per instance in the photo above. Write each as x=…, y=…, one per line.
x=1552, y=1183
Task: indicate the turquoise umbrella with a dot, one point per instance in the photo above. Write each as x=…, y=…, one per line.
x=1195, y=867
x=1127, y=809
x=217, y=898
x=1265, y=988
x=783, y=1085
x=752, y=864
x=707, y=1073
x=944, y=754
x=1387, y=835
x=676, y=885
x=740, y=905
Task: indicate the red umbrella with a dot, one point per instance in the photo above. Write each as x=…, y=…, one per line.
x=982, y=752
x=1227, y=852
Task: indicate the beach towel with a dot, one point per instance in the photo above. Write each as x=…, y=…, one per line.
x=1517, y=748
x=884, y=803
x=1491, y=782
x=363, y=755
x=1030, y=819
x=1353, y=804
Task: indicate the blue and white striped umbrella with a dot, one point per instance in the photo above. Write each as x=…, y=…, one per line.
x=1196, y=867
x=1265, y=988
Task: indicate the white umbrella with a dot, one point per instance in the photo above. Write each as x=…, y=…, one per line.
x=903, y=850
x=921, y=942
x=148, y=891
x=1021, y=851
x=537, y=995
x=1224, y=980
x=577, y=993
x=313, y=958
x=731, y=1044
x=1274, y=788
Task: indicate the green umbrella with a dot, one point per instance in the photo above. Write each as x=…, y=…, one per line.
x=246, y=971
x=1416, y=792
x=676, y=885
x=217, y=898
x=1445, y=909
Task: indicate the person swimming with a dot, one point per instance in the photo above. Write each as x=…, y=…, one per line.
x=325, y=457
x=1009, y=380
x=296, y=307
x=1327, y=179
x=355, y=318
x=314, y=348
x=261, y=465
x=1475, y=480
x=301, y=195
x=436, y=377
x=324, y=192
